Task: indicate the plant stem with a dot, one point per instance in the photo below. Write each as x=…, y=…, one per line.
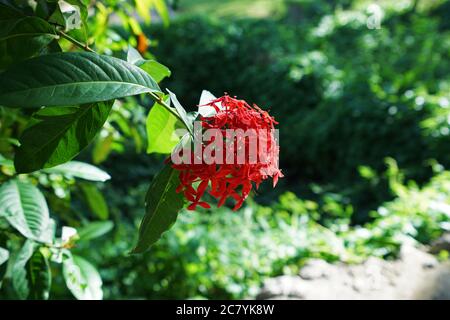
x=75, y=42
x=160, y=101
x=154, y=96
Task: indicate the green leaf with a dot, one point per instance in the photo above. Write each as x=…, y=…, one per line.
x=16, y=31
x=25, y=208
x=187, y=121
x=56, y=135
x=155, y=69
x=82, y=279
x=161, y=126
x=4, y=255
x=95, y=201
x=77, y=169
x=102, y=148
x=39, y=276
x=162, y=10
x=71, y=78
x=70, y=14
x=19, y=273
x=95, y=230
x=162, y=207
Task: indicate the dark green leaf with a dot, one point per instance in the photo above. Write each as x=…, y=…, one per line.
x=25, y=209
x=56, y=135
x=39, y=276
x=162, y=207
x=21, y=38
x=71, y=78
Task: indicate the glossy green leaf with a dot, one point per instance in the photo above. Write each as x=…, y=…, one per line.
x=161, y=126
x=25, y=208
x=71, y=78
x=57, y=134
x=82, y=279
x=95, y=230
x=95, y=201
x=162, y=207
x=4, y=256
x=15, y=30
x=77, y=169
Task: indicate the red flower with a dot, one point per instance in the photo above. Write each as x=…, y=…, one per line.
x=231, y=170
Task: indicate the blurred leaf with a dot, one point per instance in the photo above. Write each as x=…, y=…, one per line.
x=161, y=125
x=162, y=205
x=71, y=78
x=95, y=230
x=25, y=208
x=81, y=170
x=95, y=201
x=39, y=276
x=162, y=10
x=102, y=148
x=56, y=135
x=82, y=278
x=143, y=8
x=4, y=255
x=19, y=272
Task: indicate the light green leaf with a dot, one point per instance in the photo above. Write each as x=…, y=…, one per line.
x=77, y=169
x=162, y=204
x=187, y=121
x=155, y=69
x=56, y=135
x=95, y=201
x=161, y=126
x=162, y=10
x=82, y=279
x=19, y=273
x=4, y=256
x=72, y=78
x=25, y=209
x=95, y=230
x=102, y=148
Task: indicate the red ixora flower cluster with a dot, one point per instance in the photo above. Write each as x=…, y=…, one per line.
x=232, y=179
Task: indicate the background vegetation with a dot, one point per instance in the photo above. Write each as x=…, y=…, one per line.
x=364, y=131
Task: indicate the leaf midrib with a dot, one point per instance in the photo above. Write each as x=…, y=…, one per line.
x=76, y=83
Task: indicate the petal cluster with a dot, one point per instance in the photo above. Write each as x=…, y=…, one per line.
x=230, y=175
